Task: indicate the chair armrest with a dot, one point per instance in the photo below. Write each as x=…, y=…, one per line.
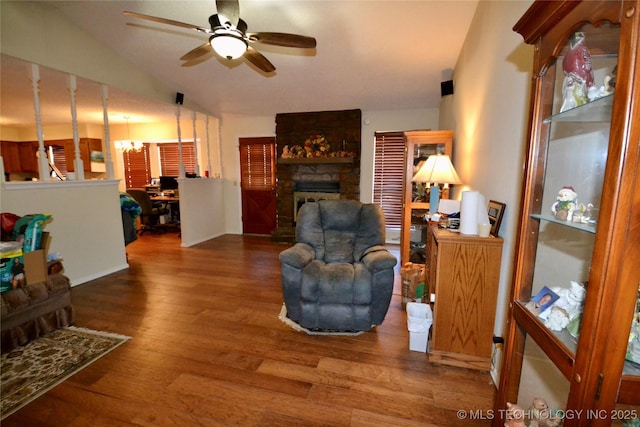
x=298, y=255
x=378, y=258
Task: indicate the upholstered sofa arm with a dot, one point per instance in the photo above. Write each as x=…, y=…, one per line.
x=378, y=258
x=298, y=255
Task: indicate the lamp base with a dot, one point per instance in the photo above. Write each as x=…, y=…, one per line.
x=434, y=198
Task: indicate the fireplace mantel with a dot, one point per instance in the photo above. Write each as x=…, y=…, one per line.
x=314, y=160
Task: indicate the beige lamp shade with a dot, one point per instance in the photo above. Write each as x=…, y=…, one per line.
x=438, y=169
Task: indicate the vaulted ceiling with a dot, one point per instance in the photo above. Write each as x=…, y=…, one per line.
x=370, y=54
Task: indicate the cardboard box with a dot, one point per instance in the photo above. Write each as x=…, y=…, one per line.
x=35, y=266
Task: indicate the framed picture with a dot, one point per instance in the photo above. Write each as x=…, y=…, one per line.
x=496, y=211
x=543, y=300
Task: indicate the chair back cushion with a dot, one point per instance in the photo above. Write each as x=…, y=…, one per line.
x=340, y=230
x=142, y=197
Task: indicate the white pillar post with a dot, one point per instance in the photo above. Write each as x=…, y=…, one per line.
x=78, y=165
x=108, y=162
x=219, y=149
x=195, y=143
x=181, y=172
x=43, y=160
x=206, y=125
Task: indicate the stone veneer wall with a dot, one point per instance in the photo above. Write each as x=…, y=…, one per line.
x=342, y=130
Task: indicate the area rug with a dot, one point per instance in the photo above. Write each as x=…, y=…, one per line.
x=31, y=370
x=293, y=325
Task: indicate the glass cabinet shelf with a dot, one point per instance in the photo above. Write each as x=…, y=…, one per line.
x=588, y=227
x=559, y=346
x=598, y=110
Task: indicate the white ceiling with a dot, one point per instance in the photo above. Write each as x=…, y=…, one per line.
x=371, y=55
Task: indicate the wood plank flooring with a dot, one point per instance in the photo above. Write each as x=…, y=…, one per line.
x=208, y=349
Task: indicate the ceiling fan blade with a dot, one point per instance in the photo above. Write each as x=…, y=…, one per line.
x=168, y=21
x=228, y=10
x=259, y=60
x=283, y=39
x=197, y=52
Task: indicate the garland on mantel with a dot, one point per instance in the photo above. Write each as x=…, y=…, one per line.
x=316, y=146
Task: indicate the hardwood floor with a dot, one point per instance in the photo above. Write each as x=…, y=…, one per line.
x=208, y=349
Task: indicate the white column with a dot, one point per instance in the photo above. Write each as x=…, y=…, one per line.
x=78, y=164
x=219, y=149
x=43, y=160
x=181, y=172
x=195, y=143
x=108, y=162
x=206, y=125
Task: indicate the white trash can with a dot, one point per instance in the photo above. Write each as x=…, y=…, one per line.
x=419, y=321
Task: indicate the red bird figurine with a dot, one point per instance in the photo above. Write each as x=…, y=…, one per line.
x=578, y=72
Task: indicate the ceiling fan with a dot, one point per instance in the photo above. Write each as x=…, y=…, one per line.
x=230, y=39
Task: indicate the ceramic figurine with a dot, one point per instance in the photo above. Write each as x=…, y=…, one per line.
x=610, y=82
x=541, y=416
x=567, y=307
x=286, y=153
x=514, y=416
x=539, y=410
x=578, y=74
x=565, y=204
x=557, y=320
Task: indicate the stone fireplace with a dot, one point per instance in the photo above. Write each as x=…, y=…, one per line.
x=309, y=179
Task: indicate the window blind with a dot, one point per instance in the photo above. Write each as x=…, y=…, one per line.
x=58, y=158
x=137, y=168
x=170, y=158
x=258, y=163
x=388, y=175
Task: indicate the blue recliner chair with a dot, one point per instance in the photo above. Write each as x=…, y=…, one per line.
x=338, y=276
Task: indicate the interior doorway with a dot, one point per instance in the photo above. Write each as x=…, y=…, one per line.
x=258, y=184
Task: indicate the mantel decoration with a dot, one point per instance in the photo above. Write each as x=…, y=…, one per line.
x=315, y=146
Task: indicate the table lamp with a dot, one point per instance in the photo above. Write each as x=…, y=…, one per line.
x=437, y=170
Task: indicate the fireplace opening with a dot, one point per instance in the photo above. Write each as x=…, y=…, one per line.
x=307, y=191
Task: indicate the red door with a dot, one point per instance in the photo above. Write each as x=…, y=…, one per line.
x=258, y=184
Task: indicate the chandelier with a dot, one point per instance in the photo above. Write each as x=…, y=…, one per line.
x=128, y=145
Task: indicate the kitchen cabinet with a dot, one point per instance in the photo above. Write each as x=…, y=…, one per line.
x=11, y=156
x=578, y=354
x=28, y=158
x=86, y=145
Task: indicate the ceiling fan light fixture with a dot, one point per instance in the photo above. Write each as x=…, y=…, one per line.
x=228, y=45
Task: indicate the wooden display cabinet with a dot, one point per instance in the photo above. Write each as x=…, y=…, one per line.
x=463, y=272
x=419, y=145
x=581, y=368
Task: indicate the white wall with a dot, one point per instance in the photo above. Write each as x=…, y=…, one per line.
x=203, y=215
x=234, y=127
x=380, y=121
x=86, y=229
x=489, y=114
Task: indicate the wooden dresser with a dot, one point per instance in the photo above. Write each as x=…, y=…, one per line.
x=463, y=272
